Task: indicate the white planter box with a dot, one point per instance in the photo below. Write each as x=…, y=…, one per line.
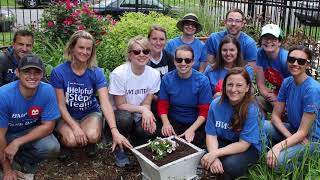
x=183, y=168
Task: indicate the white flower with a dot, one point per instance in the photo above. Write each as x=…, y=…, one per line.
x=156, y=143
x=160, y=152
x=169, y=151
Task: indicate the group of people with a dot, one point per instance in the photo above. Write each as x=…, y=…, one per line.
x=199, y=91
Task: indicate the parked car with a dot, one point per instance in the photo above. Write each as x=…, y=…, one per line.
x=32, y=4
x=118, y=7
x=7, y=19
x=308, y=12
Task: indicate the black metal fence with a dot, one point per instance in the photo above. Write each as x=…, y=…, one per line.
x=302, y=15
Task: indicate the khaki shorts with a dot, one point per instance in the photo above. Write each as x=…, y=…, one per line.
x=98, y=116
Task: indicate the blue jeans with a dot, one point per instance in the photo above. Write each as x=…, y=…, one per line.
x=33, y=152
x=293, y=155
x=237, y=165
x=129, y=125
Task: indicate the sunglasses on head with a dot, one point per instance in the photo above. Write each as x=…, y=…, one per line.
x=186, y=60
x=300, y=61
x=137, y=52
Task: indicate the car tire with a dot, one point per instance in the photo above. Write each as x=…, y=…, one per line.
x=31, y=4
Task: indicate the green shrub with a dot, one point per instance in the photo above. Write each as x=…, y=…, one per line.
x=112, y=49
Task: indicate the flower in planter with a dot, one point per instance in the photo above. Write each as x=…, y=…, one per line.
x=160, y=147
x=63, y=18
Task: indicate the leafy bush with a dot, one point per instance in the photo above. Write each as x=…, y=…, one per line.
x=63, y=18
x=112, y=49
x=51, y=53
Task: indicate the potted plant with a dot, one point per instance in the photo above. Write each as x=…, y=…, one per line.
x=178, y=161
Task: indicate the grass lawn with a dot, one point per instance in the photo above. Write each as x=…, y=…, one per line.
x=10, y=3
x=5, y=38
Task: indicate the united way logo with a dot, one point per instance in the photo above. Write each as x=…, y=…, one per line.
x=34, y=112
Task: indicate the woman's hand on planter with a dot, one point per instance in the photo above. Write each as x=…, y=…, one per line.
x=189, y=135
x=167, y=130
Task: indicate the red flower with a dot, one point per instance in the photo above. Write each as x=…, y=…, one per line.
x=75, y=3
x=86, y=10
x=71, y=19
x=65, y=31
x=50, y=24
x=65, y=22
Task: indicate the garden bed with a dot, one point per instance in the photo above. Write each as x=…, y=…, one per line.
x=80, y=167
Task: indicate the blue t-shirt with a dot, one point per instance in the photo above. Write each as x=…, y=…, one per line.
x=247, y=44
x=184, y=95
x=280, y=64
x=199, y=49
x=18, y=114
x=217, y=75
x=219, y=123
x=301, y=98
x=80, y=91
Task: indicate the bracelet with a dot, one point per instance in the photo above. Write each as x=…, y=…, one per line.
x=113, y=128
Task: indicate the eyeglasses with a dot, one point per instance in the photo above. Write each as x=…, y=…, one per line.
x=235, y=21
x=138, y=52
x=300, y=61
x=186, y=60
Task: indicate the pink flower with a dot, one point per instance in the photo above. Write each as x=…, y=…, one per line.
x=65, y=22
x=113, y=22
x=80, y=27
x=75, y=3
x=68, y=7
x=75, y=14
x=65, y=31
x=50, y=24
x=108, y=17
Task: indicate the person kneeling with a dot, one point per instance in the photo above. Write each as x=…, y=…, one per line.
x=234, y=137
x=28, y=110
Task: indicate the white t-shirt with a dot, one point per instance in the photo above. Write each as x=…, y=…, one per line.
x=124, y=82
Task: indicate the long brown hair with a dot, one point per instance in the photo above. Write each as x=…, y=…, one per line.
x=92, y=61
x=220, y=63
x=241, y=109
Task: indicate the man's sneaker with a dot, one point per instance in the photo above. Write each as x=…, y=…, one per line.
x=65, y=154
x=121, y=157
x=91, y=150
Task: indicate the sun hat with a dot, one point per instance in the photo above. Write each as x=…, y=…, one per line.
x=272, y=29
x=191, y=18
x=30, y=61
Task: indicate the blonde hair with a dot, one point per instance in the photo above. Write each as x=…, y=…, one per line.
x=92, y=61
x=141, y=41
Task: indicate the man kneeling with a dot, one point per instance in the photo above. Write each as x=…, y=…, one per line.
x=28, y=109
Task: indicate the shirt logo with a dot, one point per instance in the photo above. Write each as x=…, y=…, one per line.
x=34, y=112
